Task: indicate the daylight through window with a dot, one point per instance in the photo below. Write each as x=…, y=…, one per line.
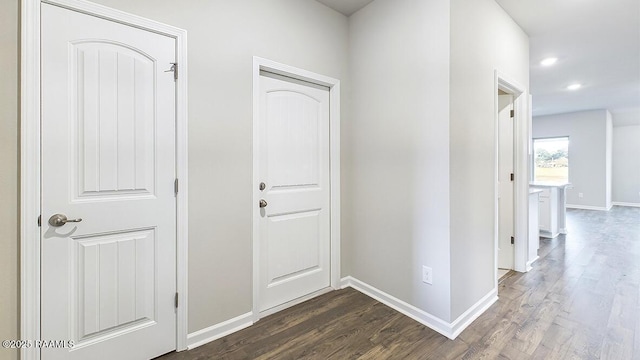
x=551, y=159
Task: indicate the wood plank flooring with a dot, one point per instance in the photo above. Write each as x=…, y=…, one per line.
x=581, y=301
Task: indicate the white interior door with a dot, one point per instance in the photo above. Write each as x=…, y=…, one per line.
x=293, y=224
x=505, y=183
x=108, y=157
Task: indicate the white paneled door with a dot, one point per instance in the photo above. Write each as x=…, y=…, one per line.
x=293, y=228
x=108, y=163
x=506, y=207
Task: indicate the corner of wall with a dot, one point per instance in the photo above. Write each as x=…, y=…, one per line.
x=497, y=43
x=609, y=160
x=450, y=329
x=399, y=140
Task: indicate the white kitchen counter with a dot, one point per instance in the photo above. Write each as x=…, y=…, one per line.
x=552, y=207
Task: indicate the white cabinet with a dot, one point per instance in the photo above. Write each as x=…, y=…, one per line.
x=544, y=211
x=551, y=211
x=534, y=230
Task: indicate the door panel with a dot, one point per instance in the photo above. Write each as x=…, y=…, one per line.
x=505, y=185
x=292, y=245
x=294, y=164
x=293, y=139
x=115, y=123
x=108, y=157
x=113, y=276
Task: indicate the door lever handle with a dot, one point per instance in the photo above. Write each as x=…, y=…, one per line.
x=58, y=220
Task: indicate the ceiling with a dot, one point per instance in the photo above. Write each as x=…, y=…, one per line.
x=347, y=7
x=597, y=43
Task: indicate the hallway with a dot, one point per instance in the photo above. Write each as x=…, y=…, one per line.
x=580, y=301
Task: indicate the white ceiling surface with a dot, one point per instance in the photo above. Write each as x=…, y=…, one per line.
x=347, y=7
x=597, y=43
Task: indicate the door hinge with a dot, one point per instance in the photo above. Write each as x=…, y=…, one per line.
x=512, y=242
x=39, y=220
x=512, y=113
x=175, y=300
x=174, y=69
x=175, y=186
x=512, y=176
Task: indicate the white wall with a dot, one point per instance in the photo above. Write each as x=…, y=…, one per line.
x=396, y=163
x=609, y=160
x=483, y=38
x=587, y=131
x=626, y=164
x=396, y=64
x=625, y=117
x=222, y=38
x=9, y=273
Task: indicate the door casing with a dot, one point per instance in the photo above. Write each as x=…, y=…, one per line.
x=261, y=64
x=30, y=172
x=521, y=131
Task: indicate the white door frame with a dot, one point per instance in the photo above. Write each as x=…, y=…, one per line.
x=521, y=130
x=30, y=172
x=334, y=165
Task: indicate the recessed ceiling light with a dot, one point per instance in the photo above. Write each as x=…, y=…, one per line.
x=574, y=86
x=548, y=61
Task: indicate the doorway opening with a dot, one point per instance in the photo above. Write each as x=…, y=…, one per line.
x=44, y=95
x=296, y=186
x=512, y=153
x=506, y=177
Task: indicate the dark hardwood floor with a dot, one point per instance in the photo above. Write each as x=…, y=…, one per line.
x=581, y=301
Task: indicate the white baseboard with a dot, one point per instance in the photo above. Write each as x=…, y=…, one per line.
x=217, y=331
x=548, y=235
x=616, y=203
x=477, y=309
x=587, y=207
x=450, y=330
x=530, y=263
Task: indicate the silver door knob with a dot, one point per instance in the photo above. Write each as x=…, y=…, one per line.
x=263, y=203
x=58, y=220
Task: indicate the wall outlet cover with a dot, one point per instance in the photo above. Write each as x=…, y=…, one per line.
x=427, y=275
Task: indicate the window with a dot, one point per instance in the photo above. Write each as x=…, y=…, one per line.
x=551, y=159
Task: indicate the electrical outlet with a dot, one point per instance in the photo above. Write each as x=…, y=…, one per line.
x=580, y=195
x=427, y=275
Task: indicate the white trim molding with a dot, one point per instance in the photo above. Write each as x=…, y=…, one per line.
x=449, y=329
x=587, y=207
x=521, y=133
x=549, y=235
x=30, y=196
x=261, y=64
x=463, y=321
x=219, y=330
x=616, y=203
x=530, y=263
x=30, y=176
